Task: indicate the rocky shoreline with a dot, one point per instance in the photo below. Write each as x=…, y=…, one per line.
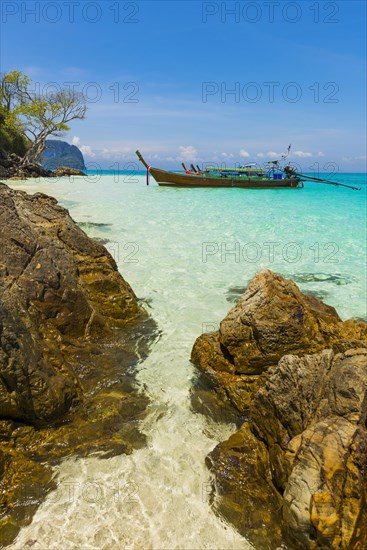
x=283, y=367
x=296, y=471
x=11, y=168
x=71, y=332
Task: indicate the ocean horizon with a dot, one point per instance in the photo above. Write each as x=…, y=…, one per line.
x=109, y=172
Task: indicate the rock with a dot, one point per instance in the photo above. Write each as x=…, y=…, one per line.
x=70, y=331
x=58, y=285
x=3, y=172
x=296, y=471
x=11, y=167
x=271, y=319
x=309, y=424
x=12, y=163
x=27, y=484
x=60, y=153
x=62, y=171
x=245, y=494
x=36, y=171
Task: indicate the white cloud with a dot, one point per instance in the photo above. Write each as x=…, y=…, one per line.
x=76, y=72
x=75, y=140
x=302, y=154
x=33, y=70
x=320, y=154
x=244, y=154
x=188, y=153
x=227, y=156
x=87, y=151
x=361, y=157
x=117, y=153
x=270, y=155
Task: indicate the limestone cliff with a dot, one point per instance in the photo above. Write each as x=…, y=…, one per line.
x=60, y=153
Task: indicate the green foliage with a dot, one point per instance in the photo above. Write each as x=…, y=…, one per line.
x=35, y=117
x=12, y=141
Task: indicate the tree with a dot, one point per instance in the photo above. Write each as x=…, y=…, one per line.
x=12, y=86
x=37, y=116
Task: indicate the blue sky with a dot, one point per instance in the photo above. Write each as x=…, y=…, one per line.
x=202, y=81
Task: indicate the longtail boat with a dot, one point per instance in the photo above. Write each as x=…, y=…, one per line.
x=248, y=176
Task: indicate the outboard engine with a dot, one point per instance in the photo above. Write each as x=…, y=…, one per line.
x=289, y=172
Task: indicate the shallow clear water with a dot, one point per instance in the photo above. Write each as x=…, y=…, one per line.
x=185, y=252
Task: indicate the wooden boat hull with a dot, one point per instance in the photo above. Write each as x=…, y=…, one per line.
x=173, y=179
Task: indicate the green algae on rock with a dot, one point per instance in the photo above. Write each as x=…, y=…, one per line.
x=245, y=494
x=301, y=466
x=71, y=331
x=295, y=474
x=272, y=318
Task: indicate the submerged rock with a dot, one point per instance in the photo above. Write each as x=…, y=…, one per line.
x=335, y=278
x=71, y=329
x=271, y=319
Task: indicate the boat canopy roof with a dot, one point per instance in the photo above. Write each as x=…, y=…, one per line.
x=239, y=169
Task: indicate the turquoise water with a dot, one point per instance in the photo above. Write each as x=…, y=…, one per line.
x=186, y=252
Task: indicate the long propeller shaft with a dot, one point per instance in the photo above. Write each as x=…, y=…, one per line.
x=327, y=182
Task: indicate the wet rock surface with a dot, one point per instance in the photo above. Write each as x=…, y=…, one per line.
x=297, y=470
x=271, y=319
x=295, y=474
x=71, y=333
x=244, y=492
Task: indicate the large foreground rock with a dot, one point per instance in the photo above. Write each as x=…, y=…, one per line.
x=296, y=471
x=298, y=468
x=271, y=319
x=70, y=331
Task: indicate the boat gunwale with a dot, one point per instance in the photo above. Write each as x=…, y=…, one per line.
x=203, y=181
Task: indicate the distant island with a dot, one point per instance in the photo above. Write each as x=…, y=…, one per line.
x=61, y=153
